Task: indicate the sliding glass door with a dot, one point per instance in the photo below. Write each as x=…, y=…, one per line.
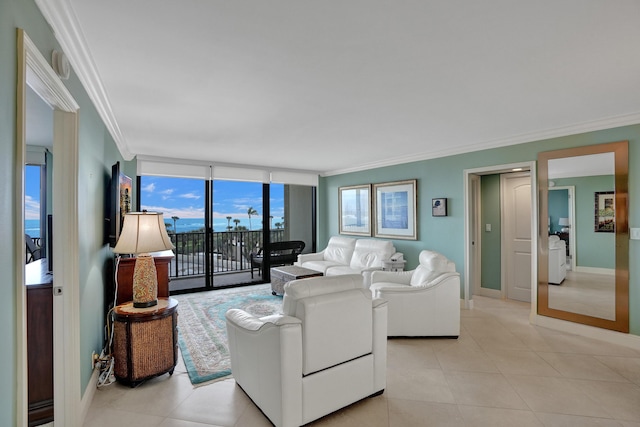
x=222, y=228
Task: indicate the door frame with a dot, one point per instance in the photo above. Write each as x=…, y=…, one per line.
x=35, y=71
x=471, y=273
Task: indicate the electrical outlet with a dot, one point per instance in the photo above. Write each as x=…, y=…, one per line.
x=94, y=359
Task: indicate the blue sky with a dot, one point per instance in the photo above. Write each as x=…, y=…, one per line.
x=185, y=199
x=32, y=192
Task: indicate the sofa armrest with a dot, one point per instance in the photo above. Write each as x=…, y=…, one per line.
x=401, y=277
x=317, y=256
x=379, y=349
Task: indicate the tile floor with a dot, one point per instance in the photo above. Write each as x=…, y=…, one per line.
x=500, y=372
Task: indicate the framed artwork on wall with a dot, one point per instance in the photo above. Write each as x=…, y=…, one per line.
x=355, y=210
x=605, y=212
x=395, y=209
x=439, y=207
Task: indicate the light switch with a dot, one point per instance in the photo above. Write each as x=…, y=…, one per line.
x=634, y=233
x=487, y=227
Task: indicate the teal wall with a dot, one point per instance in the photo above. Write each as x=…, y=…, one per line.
x=491, y=277
x=589, y=244
x=443, y=177
x=97, y=152
x=558, y=208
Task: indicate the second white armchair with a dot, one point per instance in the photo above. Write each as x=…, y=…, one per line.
x=422, y=302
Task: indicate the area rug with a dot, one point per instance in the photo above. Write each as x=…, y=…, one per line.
x=202, y=332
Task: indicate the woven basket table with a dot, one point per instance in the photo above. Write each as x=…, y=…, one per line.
x=145, y=341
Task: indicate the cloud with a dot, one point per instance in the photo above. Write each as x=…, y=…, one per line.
x=31, y=208
x=149, y=188
x=181, y=212
x=189, y=196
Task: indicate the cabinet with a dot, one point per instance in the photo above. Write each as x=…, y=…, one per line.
x=39, y=287
x=125, y=276
x=145, y=341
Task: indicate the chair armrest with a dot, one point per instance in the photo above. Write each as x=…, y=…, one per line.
x=440, y=279
x=401, y=277
x=249, y=322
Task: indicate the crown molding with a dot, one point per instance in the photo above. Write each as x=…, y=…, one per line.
x=66, y=28
x=591, y=126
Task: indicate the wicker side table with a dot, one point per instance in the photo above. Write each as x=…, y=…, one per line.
x=145, y=341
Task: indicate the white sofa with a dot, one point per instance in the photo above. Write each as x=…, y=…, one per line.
x=326, y=351
x=346, y=255
x=424, y=301
x=557, y=260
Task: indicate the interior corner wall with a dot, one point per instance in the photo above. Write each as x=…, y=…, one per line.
x=444, y=177
x=94, y=143
x=491, y=270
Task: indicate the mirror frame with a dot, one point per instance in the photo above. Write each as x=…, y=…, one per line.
x=621, y=154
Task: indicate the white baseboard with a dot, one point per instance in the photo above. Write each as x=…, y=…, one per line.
x=596, y=270
x=87, y=397
x=491, y=293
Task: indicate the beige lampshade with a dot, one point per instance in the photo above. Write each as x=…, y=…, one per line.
x=143, y=232
x=563, y=222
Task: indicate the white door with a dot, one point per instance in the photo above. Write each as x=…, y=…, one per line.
x=516, y=237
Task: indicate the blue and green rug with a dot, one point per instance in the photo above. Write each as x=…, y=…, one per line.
x=202, y=331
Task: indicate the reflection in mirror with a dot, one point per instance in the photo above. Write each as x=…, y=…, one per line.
x=583, y=251
x=584, y=271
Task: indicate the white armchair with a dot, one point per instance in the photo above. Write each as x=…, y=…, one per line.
x=326, y=351
x=424, y=301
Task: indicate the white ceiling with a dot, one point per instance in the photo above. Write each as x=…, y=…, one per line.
x=333, y=86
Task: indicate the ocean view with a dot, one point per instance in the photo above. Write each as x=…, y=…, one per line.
x=32, y=226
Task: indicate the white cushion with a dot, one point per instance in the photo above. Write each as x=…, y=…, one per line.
x=304, y=288
x=339, y=249
x=370, y=253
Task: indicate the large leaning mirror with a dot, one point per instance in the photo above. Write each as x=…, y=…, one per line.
x=583, y=247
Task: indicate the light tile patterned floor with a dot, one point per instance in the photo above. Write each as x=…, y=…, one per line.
x=500, y=372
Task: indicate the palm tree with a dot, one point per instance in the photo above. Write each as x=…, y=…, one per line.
x=250, y=212
x=270, y=222
x=175, y=218
x=278, y=225
x=236, y=222
x=228, y=223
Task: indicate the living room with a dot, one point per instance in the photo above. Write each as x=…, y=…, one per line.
x=438, y=176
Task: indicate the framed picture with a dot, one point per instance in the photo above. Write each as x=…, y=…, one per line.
x=355, y=210
x=395, y=209
x=439, y=207
x=605, y=212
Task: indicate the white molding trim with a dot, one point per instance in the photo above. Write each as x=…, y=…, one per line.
x=573, y=129
x=62, y=18
x=87, y=396
x=35, y=71
x=606, y=335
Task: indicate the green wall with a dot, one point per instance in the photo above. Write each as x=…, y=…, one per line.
x=97, y=152
x=558, y=208
x=491, y=277
x=443, y=177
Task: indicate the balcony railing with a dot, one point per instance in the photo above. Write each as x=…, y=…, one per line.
x=231, y=251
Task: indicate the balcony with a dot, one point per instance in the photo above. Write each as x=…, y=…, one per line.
x=229, y=261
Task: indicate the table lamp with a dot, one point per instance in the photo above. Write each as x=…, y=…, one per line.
x=564, y=223
x=143, y=232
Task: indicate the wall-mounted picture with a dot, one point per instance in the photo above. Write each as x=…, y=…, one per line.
x=355, y=210
x=605, y=212
x=439, y=207
x=395, y=209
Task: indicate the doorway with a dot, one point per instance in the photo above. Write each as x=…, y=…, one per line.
x=481, y=232
x=34, y=71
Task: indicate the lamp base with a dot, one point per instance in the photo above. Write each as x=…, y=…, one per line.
x=145, y=282
x=146, y=304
